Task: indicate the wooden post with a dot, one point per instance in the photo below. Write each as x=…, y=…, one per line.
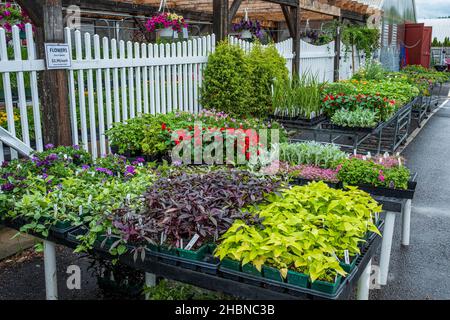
x=48, y=19
x=337, y=50
x=295, y=11
x=220, y=19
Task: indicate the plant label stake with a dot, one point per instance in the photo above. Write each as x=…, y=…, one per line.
x=346, y=257
x=192, y=242
x=80, y=210
x=55, y=209
x=399, y=162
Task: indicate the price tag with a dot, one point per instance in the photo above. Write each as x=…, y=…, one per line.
x=346, y=257
x=192, y=242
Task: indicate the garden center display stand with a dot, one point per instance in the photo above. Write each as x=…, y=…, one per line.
x=210, y=276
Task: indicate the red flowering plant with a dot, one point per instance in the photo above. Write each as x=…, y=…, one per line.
x=165, y=20
x=157, y=135
x=383, y=106
x=11, y=15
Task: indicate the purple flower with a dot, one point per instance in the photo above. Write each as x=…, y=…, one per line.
x=130, y=171
x=76, y=147
x=44, y=176
x=104, y=170
x=49, y=146
x=85, y=167
x=5, y=164
x=51, y=157
x=7, y=187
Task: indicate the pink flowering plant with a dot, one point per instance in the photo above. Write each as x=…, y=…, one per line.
x=357, y=171
x=11, y=15
x=166, y=20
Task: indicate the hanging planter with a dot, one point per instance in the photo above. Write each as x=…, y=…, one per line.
x=248, y=29
x=166, y=25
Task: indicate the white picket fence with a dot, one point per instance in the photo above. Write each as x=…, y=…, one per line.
x=317, y=60
x=112, y=81
x=17, y=103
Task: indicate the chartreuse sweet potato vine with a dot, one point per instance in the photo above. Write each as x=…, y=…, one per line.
x=304, y=229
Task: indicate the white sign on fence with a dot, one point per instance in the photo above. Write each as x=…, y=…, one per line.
x=57, y=55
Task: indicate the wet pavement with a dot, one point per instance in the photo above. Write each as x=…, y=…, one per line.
x=422, y=271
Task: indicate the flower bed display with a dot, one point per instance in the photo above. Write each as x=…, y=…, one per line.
x=153, y=137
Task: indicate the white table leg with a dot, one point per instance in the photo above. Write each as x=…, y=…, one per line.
x=364, y=283
x=51, y=285
x=150, y=281
x=386, y=246
x=406, y=223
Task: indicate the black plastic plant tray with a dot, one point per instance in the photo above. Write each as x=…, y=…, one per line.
x=74, y=233
x=330, y=126
x=298, y=121
x=61, y=232
x=208, y=265
x=301, y=182
x=343, y=290
x=390, y=192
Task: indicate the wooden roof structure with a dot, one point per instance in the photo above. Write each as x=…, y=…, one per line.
x=271, y=10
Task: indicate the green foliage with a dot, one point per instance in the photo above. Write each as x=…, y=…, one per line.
x=265, y=65
x=359, y=118
x=363, y=38
x=358, y=172
x=226, y=85
x=240, y=84
x=311, y=153
x=171, y=290
x=303, y=229
x=300, y=97
x=373, y=70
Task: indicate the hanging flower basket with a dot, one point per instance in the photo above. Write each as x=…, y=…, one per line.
x=248, y=29
x=167, y=25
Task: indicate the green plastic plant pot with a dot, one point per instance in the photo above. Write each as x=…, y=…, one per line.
x=170, y=251
x=63, y=224
x=349, y=267
x=297, y=279
x=272, y=274
x=152, y=247
x=327, y=287
x=230, y=264
x=109, y=242
x=251, y=269
x=196, y=255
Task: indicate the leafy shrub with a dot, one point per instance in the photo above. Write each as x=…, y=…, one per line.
x=300, y=97
x=311, y=153
x=359, y=118
x=226, y=85
x=302, y=229
x=240, y=84
x=357, y=171
x=266, y=65
x=179, y=206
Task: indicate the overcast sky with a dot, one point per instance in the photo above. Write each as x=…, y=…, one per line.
x=432, y=8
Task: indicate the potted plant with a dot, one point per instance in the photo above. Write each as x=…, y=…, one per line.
x=248, y=29
x=166, y=24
